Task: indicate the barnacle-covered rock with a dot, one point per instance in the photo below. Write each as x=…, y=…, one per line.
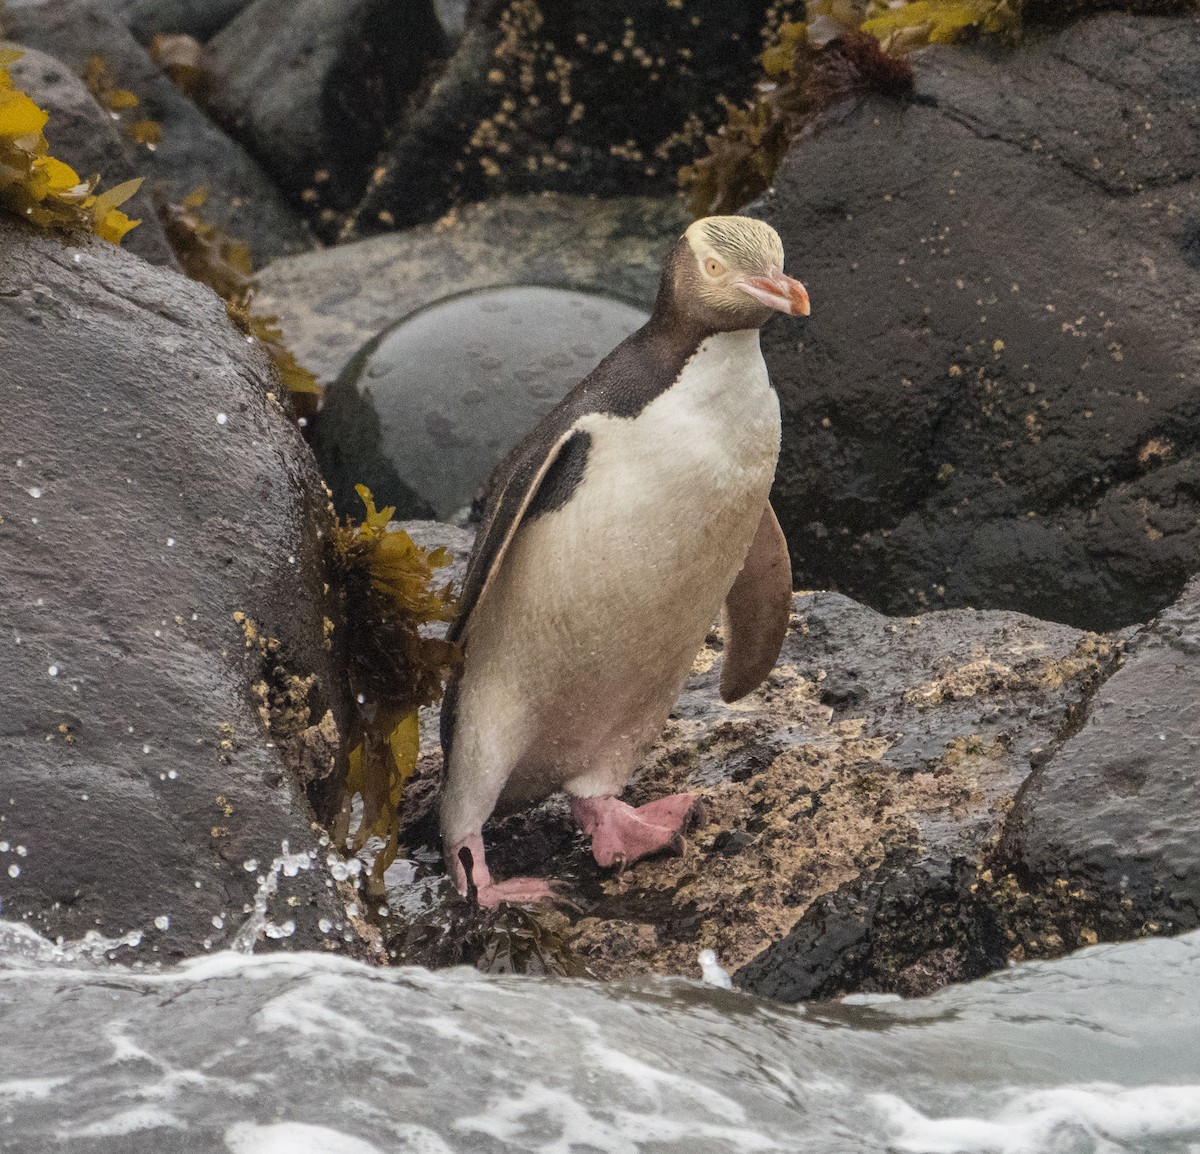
x=595, y=99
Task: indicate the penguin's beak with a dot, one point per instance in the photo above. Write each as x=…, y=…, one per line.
x=777, y=291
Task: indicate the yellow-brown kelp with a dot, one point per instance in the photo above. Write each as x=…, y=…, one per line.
x=45, y=191
x=386, y=582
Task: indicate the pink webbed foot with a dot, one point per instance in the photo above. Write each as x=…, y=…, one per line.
x=622, y=834
x=471, y=877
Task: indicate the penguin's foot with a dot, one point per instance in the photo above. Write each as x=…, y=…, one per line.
x=622, y=834
x=471, y=877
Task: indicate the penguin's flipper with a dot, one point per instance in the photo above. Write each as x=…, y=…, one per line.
x=517, y=495
x=757, y=611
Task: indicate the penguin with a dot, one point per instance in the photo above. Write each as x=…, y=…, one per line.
x=612, y=535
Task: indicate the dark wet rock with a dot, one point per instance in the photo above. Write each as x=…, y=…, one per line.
x=435, y=402
x=995, y=402
x=332, y=302
x=199, y=18
x=82, y=134
x=575, y=96
x=810, y=807
x=312, y=86
x=161, y=556
x=1104, y=840
x=193, y=153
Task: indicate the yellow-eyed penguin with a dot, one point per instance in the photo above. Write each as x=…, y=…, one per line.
x=613, y=533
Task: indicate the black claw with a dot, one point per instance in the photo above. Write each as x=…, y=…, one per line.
x=468, y=863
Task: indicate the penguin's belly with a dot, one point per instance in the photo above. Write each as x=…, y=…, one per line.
x=600, y=606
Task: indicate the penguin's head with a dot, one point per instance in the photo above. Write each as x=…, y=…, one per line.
x=726, y=272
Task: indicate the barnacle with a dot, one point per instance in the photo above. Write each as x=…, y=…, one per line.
x=387, y=585
x=45, y=191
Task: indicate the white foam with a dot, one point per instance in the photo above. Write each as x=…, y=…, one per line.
x=27, y=1089
x=133, y=1121
x=293, y=1138
x=1043, y=1120
x=527, y=1121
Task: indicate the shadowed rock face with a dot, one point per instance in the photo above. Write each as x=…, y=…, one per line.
x=313, y=86
x=1115, y=813
x=995, y=402
x=151, y=489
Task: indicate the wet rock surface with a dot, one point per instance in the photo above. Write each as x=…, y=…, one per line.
x=437, y=401
x=1104, y=838
x=995, y=400
x=331, y=303
x=572, y=96
x=881, y=751
x=161, y=557
x=82, y=134
x=193, y=152
x=312, y=87
x=199, y=18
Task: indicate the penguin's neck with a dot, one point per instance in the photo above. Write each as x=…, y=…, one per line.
x=721, y=370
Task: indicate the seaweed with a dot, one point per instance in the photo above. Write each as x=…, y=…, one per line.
x=386, y=584
x=118, y=102
x=41, y=189
x=181, y=57
x=847, y=48
x=801, y=80
x=216, y=259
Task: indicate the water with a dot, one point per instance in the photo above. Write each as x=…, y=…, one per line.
x=306, y=1054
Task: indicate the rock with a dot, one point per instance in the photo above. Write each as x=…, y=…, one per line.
x=82, y=134
x=900, y=786
x=193, y=153
x=199, y=18
x=161, y=555
x=577, y=97
x=332, y=302
x=311, y=87
x=432, y=405
x=995, y=400
x=1104, y=841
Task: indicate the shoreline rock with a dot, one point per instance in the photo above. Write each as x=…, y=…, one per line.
x=162, y=555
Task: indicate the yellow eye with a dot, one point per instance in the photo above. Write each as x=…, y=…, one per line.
x=714, y=267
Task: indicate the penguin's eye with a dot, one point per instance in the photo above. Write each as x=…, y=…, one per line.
x=714, y=267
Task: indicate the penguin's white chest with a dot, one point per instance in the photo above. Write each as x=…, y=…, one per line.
x=580, y=647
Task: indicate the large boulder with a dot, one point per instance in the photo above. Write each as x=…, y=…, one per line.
x=995, y=402
x=82, y=134
x=193, y=152
x=168, y=687
x=1104, y=839
x=312, y=86
x=574, y=96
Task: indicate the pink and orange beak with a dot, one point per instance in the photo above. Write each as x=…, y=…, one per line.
x=777, y=291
